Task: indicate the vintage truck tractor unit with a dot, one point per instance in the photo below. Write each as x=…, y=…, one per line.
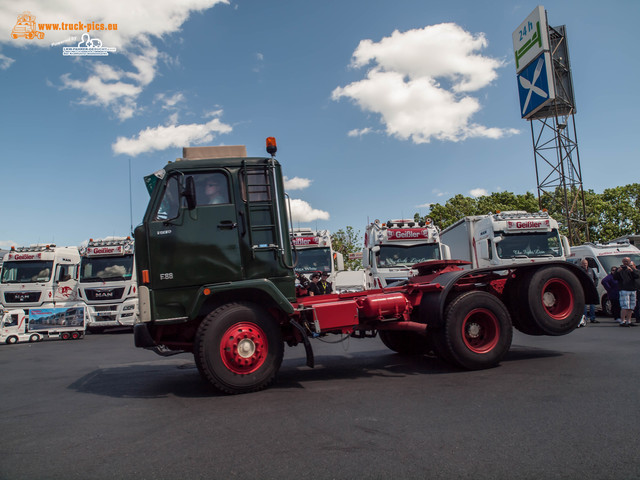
x=217, y=279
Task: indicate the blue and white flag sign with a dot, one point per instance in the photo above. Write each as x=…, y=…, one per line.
x=535, y=85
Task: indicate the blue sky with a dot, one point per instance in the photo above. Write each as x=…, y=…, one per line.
x=379, y=107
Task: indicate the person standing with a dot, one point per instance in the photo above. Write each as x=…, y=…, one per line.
x=324, y=286
x=313, y=286
x=610, y=284
x=626, y=276
x=590, y=309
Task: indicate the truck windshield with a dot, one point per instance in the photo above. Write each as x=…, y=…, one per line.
x=102, y=269
x=27, y=272
x=530, y=245
x=396, y=255
x=314, y=260
x=609, y=261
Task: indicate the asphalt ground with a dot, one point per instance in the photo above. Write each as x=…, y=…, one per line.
x=556, y=408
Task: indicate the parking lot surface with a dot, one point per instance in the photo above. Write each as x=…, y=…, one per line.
x=98, y=408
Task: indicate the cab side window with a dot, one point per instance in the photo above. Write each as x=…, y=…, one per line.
x=211, y=188
x=593, y=264
x=170, y=204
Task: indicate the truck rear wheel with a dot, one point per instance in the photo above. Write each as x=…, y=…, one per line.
x=477, y=331
x=65, y=336
x=34, y=338
x=555, y=300
x=239, y=348
x=406, y=343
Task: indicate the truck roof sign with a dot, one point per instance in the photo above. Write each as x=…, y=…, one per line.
x=110, y=250
x=302, y=241
x=517, y=225
x=396, y=234
x=24, y=256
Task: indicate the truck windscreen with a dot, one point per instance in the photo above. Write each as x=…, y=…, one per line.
x=397, y=255
x=314, y=260
x=530, y=245
x=101, y=269
x=609, y=261
x=27, y=272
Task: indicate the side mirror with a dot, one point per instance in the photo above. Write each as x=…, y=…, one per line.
x=339, y=261
x=190, y=193
x=375, y=249
x=483, y=249
x=446, y=252
x=566, y=246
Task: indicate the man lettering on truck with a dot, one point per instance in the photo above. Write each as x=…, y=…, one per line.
x=627, y=275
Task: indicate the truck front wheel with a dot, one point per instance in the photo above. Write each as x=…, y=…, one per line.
x=406, y=343
x=12, y=339
x=477, y=331
x=239, y=348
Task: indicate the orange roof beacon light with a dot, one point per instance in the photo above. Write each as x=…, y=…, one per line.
x=272, y=148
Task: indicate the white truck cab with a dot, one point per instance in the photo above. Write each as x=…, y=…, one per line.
x=40, y=276
x=506, y=238
x=315, y=253
x=601, y=257
x=108, y=282
x=391, y=248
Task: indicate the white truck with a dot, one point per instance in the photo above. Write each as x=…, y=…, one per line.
x=35, y=324
x=108, y=283
x=391, y=248
x=506, y=238
x=315, y=253
x=43, y=276
x=601, y=257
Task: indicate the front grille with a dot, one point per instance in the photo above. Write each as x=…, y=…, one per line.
x=104, y=293
x=21, y=297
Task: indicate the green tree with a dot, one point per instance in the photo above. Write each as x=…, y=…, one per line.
x=345, y=242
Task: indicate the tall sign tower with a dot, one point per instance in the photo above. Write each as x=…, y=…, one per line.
x=547, y=102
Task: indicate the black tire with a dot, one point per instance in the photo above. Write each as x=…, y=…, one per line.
x=34, y=338
x=239, y=366
x=555, y=300
x=12, y=339
x=518, y=298
x=477, y=332
x=65, y=336
x=405, y=343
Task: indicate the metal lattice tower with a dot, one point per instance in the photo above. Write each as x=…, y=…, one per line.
x=555, y=146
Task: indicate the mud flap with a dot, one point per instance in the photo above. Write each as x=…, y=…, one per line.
x=307, y=344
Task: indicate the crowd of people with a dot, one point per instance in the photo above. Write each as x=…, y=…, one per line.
x=318, y=285
x=623, y=290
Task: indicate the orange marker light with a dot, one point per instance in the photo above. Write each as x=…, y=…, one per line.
x=272, y=148
x=145, y=276
x=206, y=291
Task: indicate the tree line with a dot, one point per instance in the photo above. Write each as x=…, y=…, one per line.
x=611, y=214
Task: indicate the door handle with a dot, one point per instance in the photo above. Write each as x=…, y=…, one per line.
x=227, y=225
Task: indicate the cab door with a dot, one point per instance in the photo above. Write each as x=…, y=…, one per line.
x=196, y=247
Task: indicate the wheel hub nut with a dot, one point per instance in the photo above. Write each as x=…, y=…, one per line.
x=246, y=348
x=474, y=330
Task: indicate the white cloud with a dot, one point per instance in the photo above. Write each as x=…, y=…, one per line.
x=302, y=212
x=358, y=132
x=5, y=62
x=137, y=25
x=478, y=192
x=418, y=82
x=166, y=136
x=296, y=183
x=7, y=244
x=424, y=205
x=170, y=102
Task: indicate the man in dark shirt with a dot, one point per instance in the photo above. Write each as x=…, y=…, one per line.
x=324, y=286
x=626, y=276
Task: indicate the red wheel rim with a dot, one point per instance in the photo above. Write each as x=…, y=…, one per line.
x=244, y=348
x=480, y=330
x=557, y=299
